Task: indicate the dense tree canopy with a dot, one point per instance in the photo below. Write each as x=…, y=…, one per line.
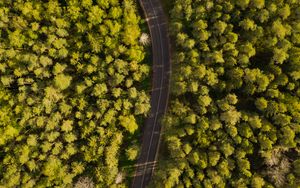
x=234, y=118
x=71, y=90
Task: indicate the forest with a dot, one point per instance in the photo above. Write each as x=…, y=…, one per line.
x=234, y=114
x=72, y=91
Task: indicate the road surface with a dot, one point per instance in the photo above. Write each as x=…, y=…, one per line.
x=158, y=27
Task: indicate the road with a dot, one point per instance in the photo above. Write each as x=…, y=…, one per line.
x=157, y=23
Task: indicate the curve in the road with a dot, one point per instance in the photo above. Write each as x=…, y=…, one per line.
x=158, y=28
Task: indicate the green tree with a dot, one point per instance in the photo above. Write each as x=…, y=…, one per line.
x=220, y=27
x=296, y=165
x=257, y=182
x=129, y=123
x=258, y=3
x=213, y=157
x=242, y=4
x=248, y=24
x=227, y=149
x=132, y=152
x=95, y=15
x=62, y=81
x=231, y=117
x=279, y=29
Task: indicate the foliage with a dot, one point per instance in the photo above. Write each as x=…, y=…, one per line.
x=233, y=119
x=71, y=88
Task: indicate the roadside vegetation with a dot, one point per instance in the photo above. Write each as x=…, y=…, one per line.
x=73, y=92
x=234, y=114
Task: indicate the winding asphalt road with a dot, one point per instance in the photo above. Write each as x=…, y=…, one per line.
x=158, y=27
